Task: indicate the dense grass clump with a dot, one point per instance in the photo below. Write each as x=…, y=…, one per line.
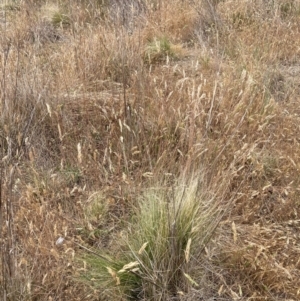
x=166, y=237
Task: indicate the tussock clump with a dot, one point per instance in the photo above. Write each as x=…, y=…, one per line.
x=167, y=235
x=160, y=50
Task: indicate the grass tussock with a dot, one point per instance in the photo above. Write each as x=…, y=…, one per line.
x=108, y=111
x=159, y=254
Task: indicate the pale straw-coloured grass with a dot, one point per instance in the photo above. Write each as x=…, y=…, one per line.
x=89, y=126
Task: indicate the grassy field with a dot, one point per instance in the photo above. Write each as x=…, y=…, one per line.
x=150, y=150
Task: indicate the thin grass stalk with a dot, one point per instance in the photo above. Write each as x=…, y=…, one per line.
x=7, y=235
x=5, y=216
x=3, y=283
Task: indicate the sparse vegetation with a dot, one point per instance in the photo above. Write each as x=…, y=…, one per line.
x=149, y=150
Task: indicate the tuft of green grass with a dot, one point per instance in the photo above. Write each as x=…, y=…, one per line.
x=289, y=8
x=10, y=7
x=156, y=258
x=56, y=15
x=160, y=49
x=60, y=19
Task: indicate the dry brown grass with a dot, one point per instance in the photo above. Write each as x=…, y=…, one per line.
x=94, y=109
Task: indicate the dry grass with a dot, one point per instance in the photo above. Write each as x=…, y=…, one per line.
x=101, y=100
